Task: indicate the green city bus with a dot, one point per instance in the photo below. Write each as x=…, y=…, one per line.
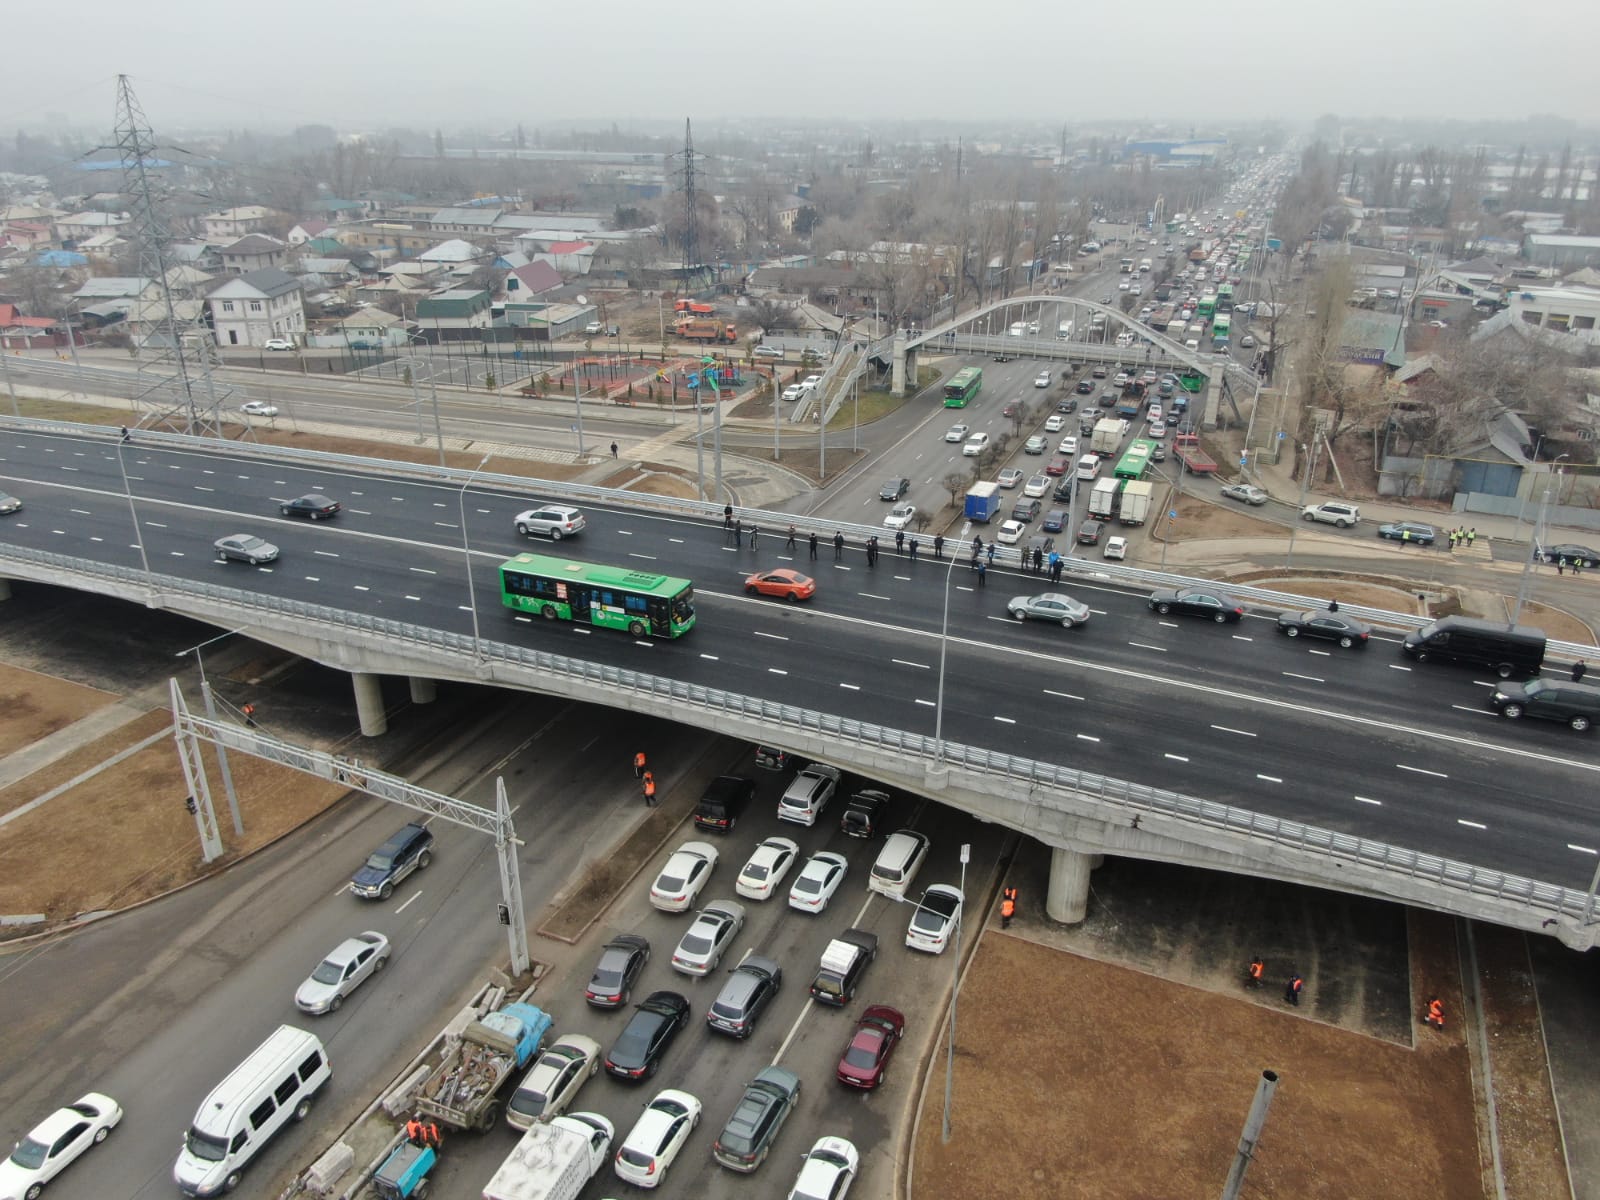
x=640, y=602
x=1224, y=297
x=1136, y=461
x=963, y=387
x=1220, y=329
x=1208, y=306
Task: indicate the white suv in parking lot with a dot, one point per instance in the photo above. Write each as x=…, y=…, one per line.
x=1332, y=513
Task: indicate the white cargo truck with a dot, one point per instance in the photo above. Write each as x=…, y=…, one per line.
x=1136, y=498
x=1107, y=437
x=1103, y=499
x=553, y=1161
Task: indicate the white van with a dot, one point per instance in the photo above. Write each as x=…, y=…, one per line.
x=1089, y=466
x=898, y=863
x=264, y=1092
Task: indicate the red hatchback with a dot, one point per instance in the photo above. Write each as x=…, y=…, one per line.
x=783, y=583
x=1058, y=465
x=866, y=1058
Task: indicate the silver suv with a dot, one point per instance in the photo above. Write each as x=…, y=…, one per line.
x=807, y=794
x=554, y=521
x=1332, y=513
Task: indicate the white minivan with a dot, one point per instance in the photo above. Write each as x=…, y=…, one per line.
x=271, y=1087
x=898, y=863
x=1089, y=466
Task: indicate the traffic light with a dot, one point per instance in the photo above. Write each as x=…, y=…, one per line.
x=189, y=803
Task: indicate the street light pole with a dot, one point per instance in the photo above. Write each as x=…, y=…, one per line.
x=955, y=991
x=944, y=641
x=1305, y=480
x=138, y=537
x=466, y=549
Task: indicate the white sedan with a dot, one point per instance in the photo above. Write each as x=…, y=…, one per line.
x=767, y=866
x=258, y=408
x=975, y=445
x=703, y=944
x=1037, y=485
x=1042, y=379
x=956, y=433
x=56, y=1142
x=1116, y=547
x=818, y=880
x=351, y=963
x=683, y=877
x=1009, y=477
x=1068, y=446
x=656, y=1138
x=900, y=516
x=1010, y=533
x=827, y=1171
x=1055, y=423
x=934, y=922
x=551, y=1085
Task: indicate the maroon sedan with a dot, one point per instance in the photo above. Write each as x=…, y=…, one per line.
x=866, y=1058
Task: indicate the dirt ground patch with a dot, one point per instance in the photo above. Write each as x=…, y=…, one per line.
x=37, y=705
x=1141, y=1092
x=83, y=760
x=1199, y=518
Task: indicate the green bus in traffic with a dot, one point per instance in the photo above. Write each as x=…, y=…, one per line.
x=1224, y=297
x=963, y=387
x=1208, y=306
x=559, y=589
x=1136, y=461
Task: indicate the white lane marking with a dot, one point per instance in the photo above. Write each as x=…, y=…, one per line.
x=1240, y=732
x=1368, y=800
x=851, y=687
x=361, y=587
x=1582, y=849
x=422, y=570
x=155, y=524
x=1307, y=678
x=1176, y=757
x=198, y=488
x=1239, y=637
x=1148, y=646
x=625, y=532
x=1084, y=737
x=711, y=657
x=871, y=596
x=776, y=671
x=80, y=512
x=360, y=512
x=1063, y=695
x=675, y=541
x=1398, y=667
x=926, y=703
x=907, y=663
x=327, y=553
x=1006, y=720
x=1471, y=824
x=1421, y=771
x=1268, y=778
x=646, y=557
x=777, y=637
x=414, y=897
x=413, y=597
x=312, y=579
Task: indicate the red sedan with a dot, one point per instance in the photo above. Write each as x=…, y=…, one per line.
x=866, y=1058
x=1058, y=465
x=783, y=584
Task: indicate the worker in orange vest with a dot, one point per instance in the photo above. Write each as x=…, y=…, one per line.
x=649, y=789
x=414, y=1132
x=1292, y=990
x=1008, y=906
x=1258, y=968
x=430, y=1135
x=638, y=765
x=1435, y=1015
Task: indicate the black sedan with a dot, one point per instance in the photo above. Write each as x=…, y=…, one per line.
x=313, y=505
x=638, y=1049
x=1085, y=387
x=1414, y=532
x=623, y=957
x=1197, y=602
x=1581, y=555
x=1320, y=623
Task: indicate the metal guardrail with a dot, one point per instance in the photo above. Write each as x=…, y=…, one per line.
x=1464, y=878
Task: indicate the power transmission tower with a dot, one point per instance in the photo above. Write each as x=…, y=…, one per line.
x=176, y=386
x=692, y=265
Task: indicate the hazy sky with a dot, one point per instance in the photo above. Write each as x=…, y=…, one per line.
x=492, y=63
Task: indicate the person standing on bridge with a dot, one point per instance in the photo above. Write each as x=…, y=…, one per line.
x=789, y=545
x=613, y=449
x=899, y=541
x=738, y=534
x=983, y=569
x=838, y=546
x=938, y=546
x=755, y=532
x=727, y=516
x=812, y=544
x=1579, y=670
x=912, y=548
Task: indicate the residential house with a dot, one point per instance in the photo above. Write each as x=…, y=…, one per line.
x=473, y=222
x=526, y=282
x=258, y=305
x=255, y=252
x=18, y=332
x=26, y=235
x=187, y=280
x=570, y=258
x=104, y=247
x=78, y=226
x=453, y=315
x=1570, y=311
x=365, y=329
x=404, y=240
x=231, y=224
x=202, y=256
x=115, y=287
x=453, y=253
x=1560, y=251
x=306, y=230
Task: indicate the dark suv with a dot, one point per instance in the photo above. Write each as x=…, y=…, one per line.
x=865, y=813
x=746, y=1140
x=407, y=851
x=723, y=801
x=749, y=987
x=1573, y=703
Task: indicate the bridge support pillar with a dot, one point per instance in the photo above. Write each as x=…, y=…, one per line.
x=423, y=689
x=1067, y=901
x=897, y=376
x=369, y=704
x=1212, y=413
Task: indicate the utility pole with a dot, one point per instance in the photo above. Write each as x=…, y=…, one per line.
x=1251, y=1135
